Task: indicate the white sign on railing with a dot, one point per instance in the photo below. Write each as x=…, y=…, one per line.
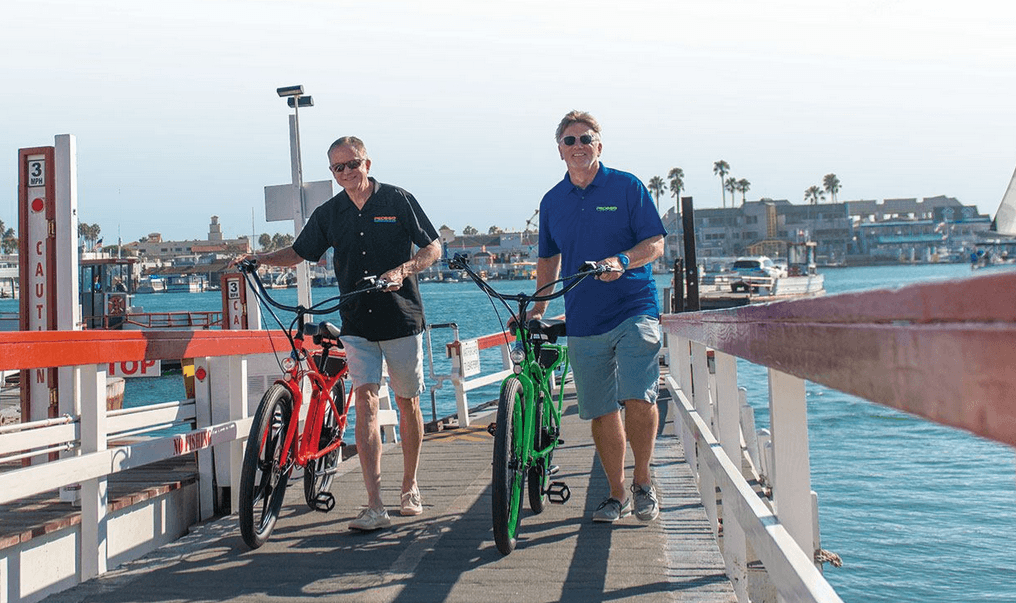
x=470, y=355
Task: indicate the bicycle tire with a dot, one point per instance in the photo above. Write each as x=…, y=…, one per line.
x=539, y=473
x=506, y=476
x=264, y=475
x=318, y=474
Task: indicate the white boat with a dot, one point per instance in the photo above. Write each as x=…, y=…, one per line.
x=151, y=284
x=1000, y=247
x=185, y=283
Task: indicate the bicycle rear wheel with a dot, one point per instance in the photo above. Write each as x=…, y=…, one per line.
x=507, y=473
x=317, y=475
x=265, y=473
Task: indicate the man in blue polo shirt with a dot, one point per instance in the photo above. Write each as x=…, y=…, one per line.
x=607, y=216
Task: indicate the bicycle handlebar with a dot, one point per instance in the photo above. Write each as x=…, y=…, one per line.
x=248, y=267
x=458, y=262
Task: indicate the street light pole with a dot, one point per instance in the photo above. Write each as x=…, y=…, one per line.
x=296, y=99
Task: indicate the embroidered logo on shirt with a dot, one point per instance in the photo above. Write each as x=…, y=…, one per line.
x=385, y=219
x=606, y=208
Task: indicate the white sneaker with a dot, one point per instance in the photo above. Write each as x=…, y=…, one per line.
x=412, y=504
x=371, y=519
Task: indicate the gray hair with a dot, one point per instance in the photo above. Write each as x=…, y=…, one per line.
x=349, y=141
x=576, y=117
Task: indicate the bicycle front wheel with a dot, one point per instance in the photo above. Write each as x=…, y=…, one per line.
x=265, y=472
x=507, y=473
x=317, y=475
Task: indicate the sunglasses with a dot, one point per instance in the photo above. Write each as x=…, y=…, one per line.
x=570, y=140
x=351, y=164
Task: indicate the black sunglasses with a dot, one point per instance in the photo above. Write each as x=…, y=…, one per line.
x=570, y=140
x=351, y=164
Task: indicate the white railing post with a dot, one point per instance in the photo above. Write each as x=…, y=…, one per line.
x=728, y=414
x=94, y=543
x=203, y=418
x=237, y=411
x=791, y=471
x=458, y=382
x=680, y=367
x=703, y=405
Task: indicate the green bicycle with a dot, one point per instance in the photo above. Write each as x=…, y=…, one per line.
x=528, y=424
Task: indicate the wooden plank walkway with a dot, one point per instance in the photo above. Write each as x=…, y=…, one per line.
x=447, y=554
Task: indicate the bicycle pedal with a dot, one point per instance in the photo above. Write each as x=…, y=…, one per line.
x=554, y=469
x=492, y=428
x=560, y=442
x=558, y=493
x=324, y=502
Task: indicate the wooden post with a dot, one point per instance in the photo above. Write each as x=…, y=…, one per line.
x=690, y=257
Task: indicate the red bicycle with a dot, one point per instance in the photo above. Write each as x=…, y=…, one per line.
x=276, y=443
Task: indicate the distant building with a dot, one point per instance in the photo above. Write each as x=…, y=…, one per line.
x=931, y=229
x=203, y=257
x=911, y=230
x=154, y=249
x=768, y=223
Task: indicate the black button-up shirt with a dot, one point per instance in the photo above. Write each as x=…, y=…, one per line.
x=370, y=242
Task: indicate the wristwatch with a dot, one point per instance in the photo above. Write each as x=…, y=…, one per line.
x=623, y=258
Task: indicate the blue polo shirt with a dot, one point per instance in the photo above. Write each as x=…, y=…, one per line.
x=613, y=214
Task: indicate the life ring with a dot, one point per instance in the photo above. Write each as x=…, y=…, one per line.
x=116, y=305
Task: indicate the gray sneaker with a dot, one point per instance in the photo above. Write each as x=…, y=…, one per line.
x=370, y=519
x=647, y=507
x=611, y=510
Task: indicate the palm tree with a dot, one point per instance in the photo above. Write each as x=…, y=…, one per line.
x=814, y=194
x=832, y=185
x=8, y=240
x=656, y=187
x=722, y=168
x=265, y=241
x=469, y=230
x=743, y=186
x=731, y=185
x=676, y=178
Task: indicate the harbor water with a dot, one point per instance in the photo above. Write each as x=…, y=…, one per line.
x=917, y=511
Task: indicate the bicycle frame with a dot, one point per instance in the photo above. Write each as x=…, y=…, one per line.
x=307, y=446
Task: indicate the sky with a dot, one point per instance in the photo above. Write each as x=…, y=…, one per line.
x=174, y=109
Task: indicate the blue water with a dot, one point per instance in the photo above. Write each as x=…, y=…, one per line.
x=917, y=511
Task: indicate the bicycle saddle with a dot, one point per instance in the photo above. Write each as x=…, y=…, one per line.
x=551, y=328
x=319, y=331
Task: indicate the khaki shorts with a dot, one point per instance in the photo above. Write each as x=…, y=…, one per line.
x=404, y=357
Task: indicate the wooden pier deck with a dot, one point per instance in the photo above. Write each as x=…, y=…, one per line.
x=447, y=554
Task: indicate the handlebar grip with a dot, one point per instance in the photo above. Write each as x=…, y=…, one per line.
x=248, y=265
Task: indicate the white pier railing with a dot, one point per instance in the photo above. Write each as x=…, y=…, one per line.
x=942, y=351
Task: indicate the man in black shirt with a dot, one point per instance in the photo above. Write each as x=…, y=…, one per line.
x=373, y=227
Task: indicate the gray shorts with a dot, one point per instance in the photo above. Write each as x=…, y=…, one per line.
x=619, y=365
x=404, y=357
